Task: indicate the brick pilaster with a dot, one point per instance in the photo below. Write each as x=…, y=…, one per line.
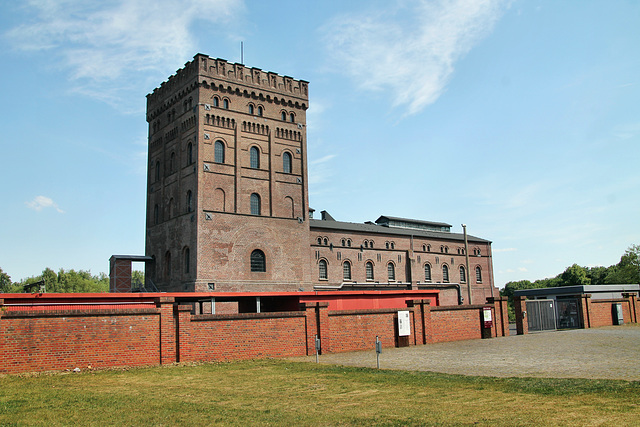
x=426, y=315
x=317, y=323
x=585, y=310
x=418, y=321
x=324, y=328
x=167, y=330
x=630, y=299
x=501, y=323
x=522, y=323
x=311, y=326
x=182, y=314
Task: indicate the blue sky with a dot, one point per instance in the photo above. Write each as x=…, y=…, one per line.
x=519, y=118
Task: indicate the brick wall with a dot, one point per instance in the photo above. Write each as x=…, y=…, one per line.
x=455, y=323
x=58, y=340
x=38, y=339
x=246, y=336
x=357, y=329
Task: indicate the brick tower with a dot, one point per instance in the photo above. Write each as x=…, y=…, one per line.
x=227, y=199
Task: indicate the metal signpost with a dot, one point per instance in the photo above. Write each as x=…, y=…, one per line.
x=317, y=347
x=378, y=351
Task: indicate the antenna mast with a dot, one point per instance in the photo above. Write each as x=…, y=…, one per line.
x=242, y=53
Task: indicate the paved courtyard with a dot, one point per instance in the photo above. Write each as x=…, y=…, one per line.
x=611, y=352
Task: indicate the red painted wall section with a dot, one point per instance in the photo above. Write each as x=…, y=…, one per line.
x=363, y=300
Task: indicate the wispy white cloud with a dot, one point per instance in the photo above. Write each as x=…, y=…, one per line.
x=411, y=46
x=109, y=46
x=627, y=131
x=320, y=171
x=41, y=202
x=322, y=160
x=504, y=250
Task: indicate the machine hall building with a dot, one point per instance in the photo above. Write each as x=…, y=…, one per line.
x=228, y=206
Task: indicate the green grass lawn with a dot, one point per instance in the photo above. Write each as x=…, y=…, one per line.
x=279, y=392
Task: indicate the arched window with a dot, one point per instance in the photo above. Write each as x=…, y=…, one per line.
x=391, y=271
x=187, y=260
x=258, y=261
x=393, y=245
x=189, y=153
x=326, y=241
x=255, y=204
x=156, y=214
x=322, y=270
x=189, y=201
x=219, y=152
x=171, y=211
x=445, y=273
x=463, y=275
x=225, y=104
x=344, y=242
x=219, y=200
x=386, y=244
x=346, y=270
x=286, y=162
x=446, y=249
x=172, y=162
x=366, y=243
x=349, y=242
x=260, y=111
x=368, y=267
x=427, y=273
x=254, y=158
x=251, y=109
x=283, y=116
x=290, y=206
x=424, y=248
x=478, y=275
x=319, y=240
x=371, y=244
x=292, y=117
x=216, y=101
x=157, y=170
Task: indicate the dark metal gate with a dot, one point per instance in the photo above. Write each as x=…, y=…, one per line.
x=541, y=315
x=568, y=313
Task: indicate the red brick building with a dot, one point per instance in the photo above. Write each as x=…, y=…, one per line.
x=227, y=200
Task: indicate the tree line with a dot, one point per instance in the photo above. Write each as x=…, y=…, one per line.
x=64, y=281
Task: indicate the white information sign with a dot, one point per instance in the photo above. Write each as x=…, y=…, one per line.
x=404, y=326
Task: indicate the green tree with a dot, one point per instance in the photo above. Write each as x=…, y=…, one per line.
x=69, y=281
x=575, y=276
x=597, y=275
x=627, y=271
x=5, y=281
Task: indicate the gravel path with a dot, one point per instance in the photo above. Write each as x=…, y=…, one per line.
x=611, y=352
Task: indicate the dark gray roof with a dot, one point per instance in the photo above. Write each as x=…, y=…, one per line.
x=135, y=258
x=577, y=290
x=378, y=229
x=417, y=221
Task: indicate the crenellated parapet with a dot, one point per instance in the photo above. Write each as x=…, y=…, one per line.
x=225, y=77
